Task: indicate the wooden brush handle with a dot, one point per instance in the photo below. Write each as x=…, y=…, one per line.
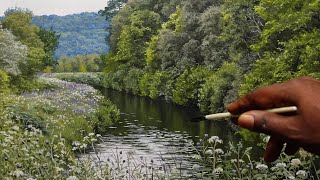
x=229, y=115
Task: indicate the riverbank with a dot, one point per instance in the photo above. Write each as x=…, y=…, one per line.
x=42, y=131
x=217, y=158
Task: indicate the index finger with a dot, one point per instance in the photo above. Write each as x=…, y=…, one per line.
x=276, y=95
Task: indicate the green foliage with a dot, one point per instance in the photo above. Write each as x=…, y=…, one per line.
x=50, y=39
x=188, y=85
x=144, y=84
x=152, y=58
x=19, y=23
x=156, y=84
x=175, y=22
x=132, y=43
x=106, y=115
x=235, y=161
x=112, y=8
x=115, y=79
x=266, y=71
x=4, y=82
x=80, y=63
x=216, y=88
x=41, y=129
x=131, y=81
x=93, y=79
x=213, y=49
x=242, y=28
x=289, y=41
x=160, y=85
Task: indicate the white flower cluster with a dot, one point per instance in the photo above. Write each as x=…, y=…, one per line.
x=261, y=166
x=12, y=53
x=295, y=162
x=215, y=139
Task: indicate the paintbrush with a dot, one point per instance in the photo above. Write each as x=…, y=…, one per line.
x=225, y=115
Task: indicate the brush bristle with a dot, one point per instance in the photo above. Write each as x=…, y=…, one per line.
x=198, y=119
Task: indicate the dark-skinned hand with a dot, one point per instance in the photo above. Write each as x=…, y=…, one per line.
x=301, y=129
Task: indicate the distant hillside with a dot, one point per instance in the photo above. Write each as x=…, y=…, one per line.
x=80, y=33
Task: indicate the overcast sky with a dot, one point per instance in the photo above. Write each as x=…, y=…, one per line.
x=58, y=7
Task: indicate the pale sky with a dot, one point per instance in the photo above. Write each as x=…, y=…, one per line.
x=58, y=7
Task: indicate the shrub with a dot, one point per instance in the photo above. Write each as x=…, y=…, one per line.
x=144, y=84
x=131, y=81
x=216, y=88
x=106, y=115
x=4, y=82
x=188, y=84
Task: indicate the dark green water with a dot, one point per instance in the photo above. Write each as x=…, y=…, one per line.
x=154, y=128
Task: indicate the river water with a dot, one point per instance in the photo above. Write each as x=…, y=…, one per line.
x=157, y=130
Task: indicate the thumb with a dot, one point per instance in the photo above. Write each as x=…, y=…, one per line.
x=268, y=123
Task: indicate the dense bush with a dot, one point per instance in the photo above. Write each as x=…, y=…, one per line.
x=188, y=85
x=4, y=82
x=106, y=115
x=93, y=79
x=131, y=81
x=216, y=88
x=156, y=85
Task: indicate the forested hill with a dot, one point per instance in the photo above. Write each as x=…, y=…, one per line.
x=80, y=33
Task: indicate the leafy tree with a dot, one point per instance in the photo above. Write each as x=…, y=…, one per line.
x=13, y=54
x=132, y=43
x=4, y=82
x=212, y=48
x=80, y=63
x=112, y=8
x=242, y=28
x=289, y=42
x=51, y=41
x=19, y=23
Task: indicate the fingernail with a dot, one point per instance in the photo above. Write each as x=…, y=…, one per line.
x=246, y=121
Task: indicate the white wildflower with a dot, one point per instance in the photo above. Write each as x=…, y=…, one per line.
x=83, y=146
x=16, y=128
x=58, y=169
x=291, y=177
x=214, y=139
x=261, y=166
x=76, y=143
x=281, y=165
x=295, y=162
x=72, y=178
x=209, y=152
x=217, y=171
x=196, y=156
x=301, y=173
x=195, y=166
x=17, y=173
x=219, y=151
x=266, y=139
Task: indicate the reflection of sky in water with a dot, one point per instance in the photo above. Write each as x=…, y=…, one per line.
x=148, y=142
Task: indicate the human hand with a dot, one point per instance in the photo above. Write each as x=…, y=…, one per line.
x=301, y=129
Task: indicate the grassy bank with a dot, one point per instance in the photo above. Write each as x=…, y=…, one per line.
x=41, y=130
